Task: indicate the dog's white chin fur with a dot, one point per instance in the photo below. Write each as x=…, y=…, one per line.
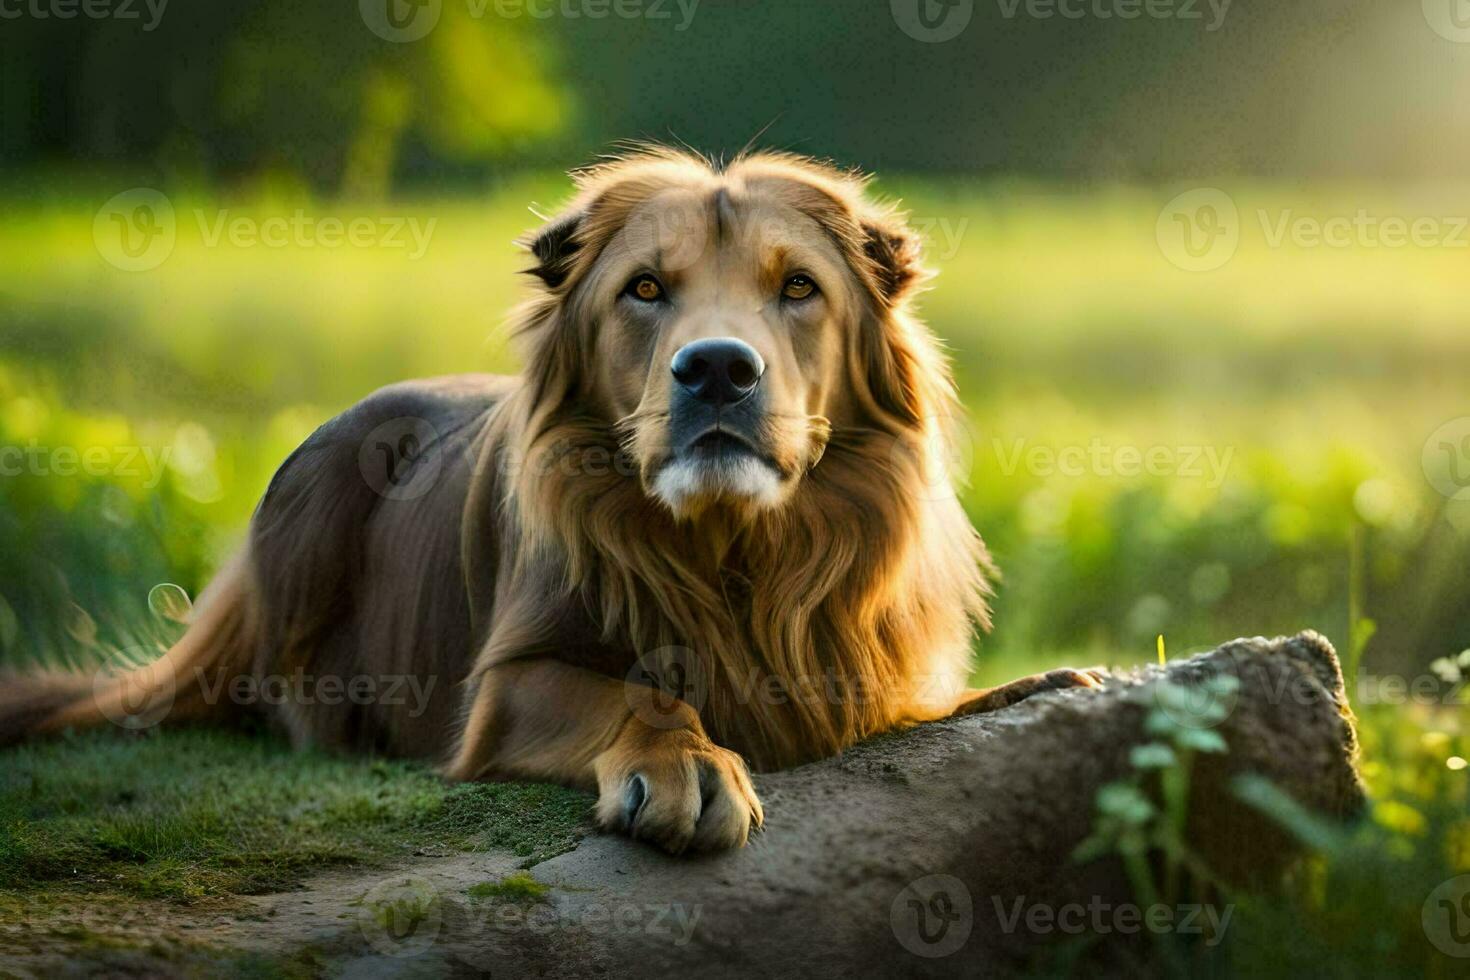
x=685, y=484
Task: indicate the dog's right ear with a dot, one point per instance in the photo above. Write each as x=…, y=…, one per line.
x=554, y=245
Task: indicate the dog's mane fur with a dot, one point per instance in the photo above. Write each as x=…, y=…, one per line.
x=846, y=611
x=806, y=628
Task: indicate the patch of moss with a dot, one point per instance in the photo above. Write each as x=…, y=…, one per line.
x=519, y=887
x=187, y=814
x=533, y=820
x=403, y=909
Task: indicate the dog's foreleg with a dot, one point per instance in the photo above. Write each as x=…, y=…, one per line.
x=982, y=700
x=657, y=774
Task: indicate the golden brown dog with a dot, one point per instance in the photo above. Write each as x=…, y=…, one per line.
x=707, y=526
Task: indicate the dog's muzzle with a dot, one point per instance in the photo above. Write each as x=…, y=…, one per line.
x=717, y=402
x=716, y=419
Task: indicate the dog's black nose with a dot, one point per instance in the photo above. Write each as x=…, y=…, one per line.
x=721, y=370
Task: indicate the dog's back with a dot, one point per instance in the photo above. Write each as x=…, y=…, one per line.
x=347, y=620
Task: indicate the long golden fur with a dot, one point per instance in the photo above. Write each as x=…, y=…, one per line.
x=580, y=596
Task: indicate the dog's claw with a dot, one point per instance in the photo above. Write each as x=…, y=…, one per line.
x=1093, y=677
x=635, y=794
x=682, y=793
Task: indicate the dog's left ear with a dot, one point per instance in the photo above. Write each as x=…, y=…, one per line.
x=893, y=252
x=552, y=362
x=554, y=245
x=895, y=358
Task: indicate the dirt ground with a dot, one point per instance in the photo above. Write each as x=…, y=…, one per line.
x=342, y=922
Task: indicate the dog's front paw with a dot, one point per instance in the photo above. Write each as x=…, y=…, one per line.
x=1065, y=677
x=678, y=790
x=1019, y=690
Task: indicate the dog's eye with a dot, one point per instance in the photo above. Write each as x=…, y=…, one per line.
x=798, y=287
x=645, y=288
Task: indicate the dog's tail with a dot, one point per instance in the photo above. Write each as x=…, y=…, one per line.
x=188, y=683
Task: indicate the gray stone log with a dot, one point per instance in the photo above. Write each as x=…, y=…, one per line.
x=996, y=803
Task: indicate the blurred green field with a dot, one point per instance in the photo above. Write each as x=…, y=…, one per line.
x=1292, y=395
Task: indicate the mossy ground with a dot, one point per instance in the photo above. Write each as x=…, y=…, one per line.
x=194, y=815
x=519, y=887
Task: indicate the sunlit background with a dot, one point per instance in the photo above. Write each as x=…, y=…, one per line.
x=1290, y=391
x=1203, y=277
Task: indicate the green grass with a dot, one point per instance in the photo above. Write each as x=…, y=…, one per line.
x=193, y=814
x=1355, y=906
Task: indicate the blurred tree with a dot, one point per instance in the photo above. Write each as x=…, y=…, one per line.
x=340, y=105
x=312, y=89
x=275, y=89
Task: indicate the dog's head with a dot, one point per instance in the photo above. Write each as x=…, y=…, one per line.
x=724, y=322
